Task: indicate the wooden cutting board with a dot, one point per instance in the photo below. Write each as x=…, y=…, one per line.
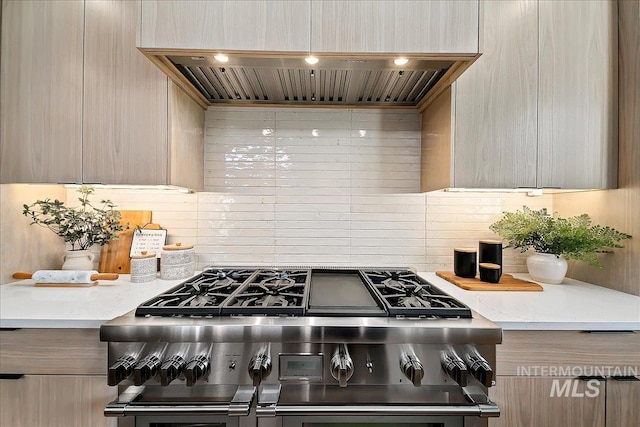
x=507, y=283
x=114, y=257
x=65, y=285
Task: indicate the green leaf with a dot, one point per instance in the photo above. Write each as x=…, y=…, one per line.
x=574, y=237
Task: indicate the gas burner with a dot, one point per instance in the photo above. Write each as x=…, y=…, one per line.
x=201, y=295
x=405, y=294
x=271, y=292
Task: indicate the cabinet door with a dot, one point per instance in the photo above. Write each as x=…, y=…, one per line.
x=125, y=101
x=577, y=107
x=55, y=401
x=495, y=133
x=538, y=401
x=41, y=91
x=256, y=25
x=622, y=402
x=395, y=26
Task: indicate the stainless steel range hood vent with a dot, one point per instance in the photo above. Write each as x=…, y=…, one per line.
x=290, y=81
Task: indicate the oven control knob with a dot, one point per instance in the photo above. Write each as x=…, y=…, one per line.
x=171, y=369
x=196, y=369
x=260, y=366
x=341, y=365
x=146, y=369
x=479, y=368
x=120, y=370
x=412, y=368
x=454, y=367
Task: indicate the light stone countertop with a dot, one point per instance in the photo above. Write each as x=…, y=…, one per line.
x=22, y=305
x=571, y=306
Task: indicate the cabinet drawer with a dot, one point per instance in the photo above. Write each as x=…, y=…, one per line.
x=56, y=401
x=52, y=351
x=526, y=349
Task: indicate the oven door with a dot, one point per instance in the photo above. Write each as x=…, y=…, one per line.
x=379, y=406
x=201, y=406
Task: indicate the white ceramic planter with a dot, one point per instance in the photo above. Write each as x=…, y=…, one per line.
x=78, y=260
x=546, y=268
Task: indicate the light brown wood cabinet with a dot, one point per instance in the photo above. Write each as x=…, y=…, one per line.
x=539, y=108
x=578, y=94
x=55, y=401
x=391, y=26
x=527, y=402
x=395, y=26
x=41, y=91
x=254, y=25
x=63, y=382
x=105, y=115
x=125, y=101
x=495, y=126
x=623, y=396
x=533, y=389
x=138, y=128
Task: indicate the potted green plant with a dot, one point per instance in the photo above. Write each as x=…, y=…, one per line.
x=555, y=240
x=82, y=226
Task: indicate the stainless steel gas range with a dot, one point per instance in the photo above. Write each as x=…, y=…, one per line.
x=300, y=347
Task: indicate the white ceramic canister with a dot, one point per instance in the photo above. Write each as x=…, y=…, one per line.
x=177, y=261
x=144, y=267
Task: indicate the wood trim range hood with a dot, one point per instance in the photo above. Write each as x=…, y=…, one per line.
x=338, y=81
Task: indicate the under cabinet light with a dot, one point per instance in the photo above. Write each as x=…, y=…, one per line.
x=400, y=61
x=221, y=58
x=311, y=60
x=527, y=191
x=134, y=187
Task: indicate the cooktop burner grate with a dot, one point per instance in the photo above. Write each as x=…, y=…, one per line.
x=271, y=292
x=287, y=292
x=405, y=294
x=201, y=295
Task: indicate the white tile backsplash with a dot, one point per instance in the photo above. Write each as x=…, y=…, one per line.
x=372, y=151
x=343, y=197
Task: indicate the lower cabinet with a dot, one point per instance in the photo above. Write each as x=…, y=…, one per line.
x=623, y=396
x=560, y=401
x=55, y=401
x=567, y=378
x=53, y=378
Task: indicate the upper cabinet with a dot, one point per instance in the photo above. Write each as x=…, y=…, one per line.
x=395, y=26
x=327, y=26
x=578, y=95
x=271, y=25
x=539, y=108
x=41, y=91
x=495, y=126
x=125, y=101
x=96, y=111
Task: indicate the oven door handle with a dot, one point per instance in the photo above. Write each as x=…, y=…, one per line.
x=280, y=410
x=481, y=406
x=239, y=406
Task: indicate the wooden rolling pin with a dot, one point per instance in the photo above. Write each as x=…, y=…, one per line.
x=66, y=276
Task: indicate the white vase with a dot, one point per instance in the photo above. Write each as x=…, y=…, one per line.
x=547, y=268
x=78, y=260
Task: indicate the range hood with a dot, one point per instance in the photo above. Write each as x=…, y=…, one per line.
x=352, y=81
